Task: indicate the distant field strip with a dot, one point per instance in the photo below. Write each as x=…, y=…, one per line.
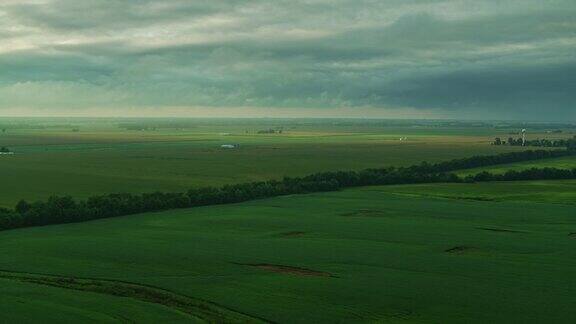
x=567, y=162
x=59, y=210
x=552, y=191
x=111, y=160
x=196, y=308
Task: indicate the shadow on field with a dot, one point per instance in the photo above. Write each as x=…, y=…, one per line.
x=283, y=269
x=292, y=234
x=461, y=249
x=500, y=230
x=365, y=213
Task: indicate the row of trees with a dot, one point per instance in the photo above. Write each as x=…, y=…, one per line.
x=488, y=160
x=569, y=143
x=528, y=174
x=57, y=210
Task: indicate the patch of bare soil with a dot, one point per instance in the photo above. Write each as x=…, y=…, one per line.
x=459, y=249
x=475, y=198
x=365, y=213
x=292, y=234
x=297, y=271
x=499, y=230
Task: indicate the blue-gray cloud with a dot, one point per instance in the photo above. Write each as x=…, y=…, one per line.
x=513, y=59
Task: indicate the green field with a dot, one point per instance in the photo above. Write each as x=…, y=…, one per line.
x=375, y=254
x=557, y=191
x=560, y=163
x=22, y=302
x=497, y=252
x=102, y=157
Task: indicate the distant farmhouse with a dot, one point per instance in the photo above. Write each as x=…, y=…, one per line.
x=229, y=146
x=5, y=151
x=270, y=131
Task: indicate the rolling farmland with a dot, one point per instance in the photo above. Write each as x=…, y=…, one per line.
x=422, y=253
x=103, y=158
x=369, y=254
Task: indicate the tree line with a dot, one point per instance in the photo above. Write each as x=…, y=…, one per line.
x=58, y=210
x=528, y=174
x=569, y=143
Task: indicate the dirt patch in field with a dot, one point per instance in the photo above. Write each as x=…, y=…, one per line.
x=460, y=249
x=474, y=198
x=292, y=234
x=365, y=213
x=296, y=271
x=501, y=230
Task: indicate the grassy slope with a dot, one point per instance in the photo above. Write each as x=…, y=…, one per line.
x=513, y=261
x=562, y=192
x=22, y=302
x=102, y=161
x=561, y=163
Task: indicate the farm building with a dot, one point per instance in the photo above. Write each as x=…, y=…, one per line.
x=229, y=146
x=5, y=151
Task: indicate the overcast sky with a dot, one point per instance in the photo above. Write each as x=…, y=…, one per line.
x=367, y=58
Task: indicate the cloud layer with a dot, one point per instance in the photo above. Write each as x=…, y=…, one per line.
x=489, y=59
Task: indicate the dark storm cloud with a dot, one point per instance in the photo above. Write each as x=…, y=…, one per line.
x=456, y=57
x=508, y=90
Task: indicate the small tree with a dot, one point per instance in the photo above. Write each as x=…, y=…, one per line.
x=23, y=206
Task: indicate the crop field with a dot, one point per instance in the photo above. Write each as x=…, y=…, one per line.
x=560, y=163
x=82, y=158
x=23, y=302
x=428, y=253
x=374, y=254
x=556, y=191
